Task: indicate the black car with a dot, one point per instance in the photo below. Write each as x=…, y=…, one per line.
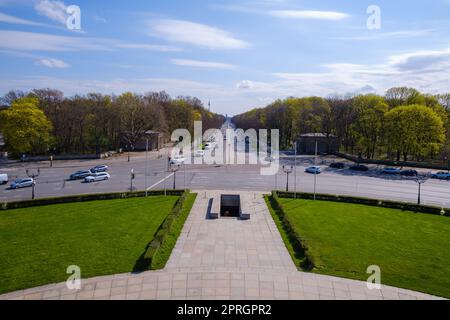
x=101, y=168
x=409, y=173
x=80, y=175
x=337, y=165
x=359, y=167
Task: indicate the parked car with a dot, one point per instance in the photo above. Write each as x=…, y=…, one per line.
x=359, y=167
x=177, y=160
x=80, y=175
x=391, y=171
x=3, y=178
x=441, y=175
x=409, y=173
x=101, y=176
x=199, y=153
x=314, y=170
x=337, y=165
x=101, y=168
x=22, y=183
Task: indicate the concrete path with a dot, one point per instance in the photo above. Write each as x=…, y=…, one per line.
x=223, y=259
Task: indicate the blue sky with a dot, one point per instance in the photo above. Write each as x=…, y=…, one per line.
x=239, y=54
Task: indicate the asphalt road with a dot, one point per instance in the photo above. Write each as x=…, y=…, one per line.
x=52, y=181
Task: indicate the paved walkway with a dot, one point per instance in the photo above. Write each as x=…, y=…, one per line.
x=223, y=259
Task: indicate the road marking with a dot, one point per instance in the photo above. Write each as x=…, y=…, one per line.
x=160, y=181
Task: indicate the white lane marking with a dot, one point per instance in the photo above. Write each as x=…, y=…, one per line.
x=160, y=181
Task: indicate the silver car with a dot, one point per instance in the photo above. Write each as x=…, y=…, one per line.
x=101, y=176
x=22, y=183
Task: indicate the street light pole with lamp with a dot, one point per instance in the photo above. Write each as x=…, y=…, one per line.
x=288, y=170
x=420, y=179
x=174, y=170
x=33, y=175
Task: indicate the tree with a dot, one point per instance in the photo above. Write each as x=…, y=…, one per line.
x=369, y=124
x=401, y=96
x=414, y=130
x=25, y=127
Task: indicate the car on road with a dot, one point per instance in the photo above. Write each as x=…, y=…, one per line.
x=337, y=165
x=359, y=167
x=441, y=175
x=22, y=183
x=3, y=178
x=101, y=168
x=81, y=174
x=177, y=160
x=314, y=170
x=391, y=171
x=199, y=153
x=101, y=176
x=409, y=173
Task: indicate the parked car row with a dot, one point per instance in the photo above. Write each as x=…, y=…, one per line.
x=97, y=173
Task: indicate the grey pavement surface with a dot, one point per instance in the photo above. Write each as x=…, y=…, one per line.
x=225, y=259
x=52, y=182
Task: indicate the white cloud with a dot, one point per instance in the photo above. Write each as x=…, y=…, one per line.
x=151, y=47
x=52, y=63
x=308, y=14
x=54, y=10
x=245, y=84
x=389, y=35
x=33, y=41
x=202, y=64
x=196, y=34
x=14, y=20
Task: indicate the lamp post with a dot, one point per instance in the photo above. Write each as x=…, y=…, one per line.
x=146, y=166
x=295, y=171
x=174, y=169
x=420, y=179
x=315, y=172
x=33, y=175
x=288, y=170
x=132, y=176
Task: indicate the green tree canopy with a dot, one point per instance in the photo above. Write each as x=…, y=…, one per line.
x=414, y=130
x=25, y=127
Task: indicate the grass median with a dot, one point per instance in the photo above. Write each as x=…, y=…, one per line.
x=343, y=239
x=101, y=237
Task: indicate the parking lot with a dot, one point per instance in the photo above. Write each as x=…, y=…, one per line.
x=52, y=181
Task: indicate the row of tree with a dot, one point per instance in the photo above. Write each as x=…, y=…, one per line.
x=44, y=121
x=402, y=125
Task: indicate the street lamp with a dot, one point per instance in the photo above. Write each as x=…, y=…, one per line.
x=174, y=169
x=33, y=175
x=420, y=179
x=288, y=170
x=132, y=177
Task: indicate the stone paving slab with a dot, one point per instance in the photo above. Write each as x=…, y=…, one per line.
x=224, y=259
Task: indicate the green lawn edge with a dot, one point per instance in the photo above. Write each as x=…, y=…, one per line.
x=163, y=253
x=298, y=251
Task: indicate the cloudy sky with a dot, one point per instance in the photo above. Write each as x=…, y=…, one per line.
x=239, y=54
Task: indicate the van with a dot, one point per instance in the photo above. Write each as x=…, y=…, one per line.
x=3, y=178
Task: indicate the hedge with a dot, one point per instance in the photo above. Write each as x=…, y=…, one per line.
x=297, y=242
x=162, y=233
x=367, y=201
x=85, y=197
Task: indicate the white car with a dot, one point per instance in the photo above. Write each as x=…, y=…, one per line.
x=22, y=183
x=177, y=160
x=314, y=170
x=101, y=176
x=199, y=153
x=3, y=178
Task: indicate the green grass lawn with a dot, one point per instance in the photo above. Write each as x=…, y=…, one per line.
x=412, y=249
x=102, y=237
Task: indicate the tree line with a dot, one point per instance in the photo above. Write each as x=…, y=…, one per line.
x=45, y=121
x=404, y=124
